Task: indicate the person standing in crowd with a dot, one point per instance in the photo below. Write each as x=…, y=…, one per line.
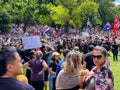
x=103, y=76
x=87, y=59
x=10, y=68
x=32, y=56
x=60, y=64
x=85, y=47
x=72, y=67
x=52, y=70
x=37, y=67
x=114, y=50
x=45, y=57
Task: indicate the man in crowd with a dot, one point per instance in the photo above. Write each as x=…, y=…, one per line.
x=10, y=68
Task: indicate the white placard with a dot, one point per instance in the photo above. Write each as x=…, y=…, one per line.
x=117, y=41
x=85, y=34
x=31, y=42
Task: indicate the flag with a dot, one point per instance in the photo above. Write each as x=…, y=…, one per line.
x=47, y=29
x=16, y=30
x=89, y=23
x=116, y=25
x=54, y=33
x=33, y=32
x=107, y=26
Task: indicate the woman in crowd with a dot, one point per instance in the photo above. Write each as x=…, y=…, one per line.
x=66, y=79
x=100, y=77
x=37, y=67
x=32, y=56
x=52, y=70
x=45, y=57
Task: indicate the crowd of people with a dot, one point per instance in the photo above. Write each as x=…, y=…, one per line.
x=66, y=63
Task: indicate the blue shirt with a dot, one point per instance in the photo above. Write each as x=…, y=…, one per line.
x=59, y=66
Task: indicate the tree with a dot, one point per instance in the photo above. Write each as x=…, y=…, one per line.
x=4, y=22
x=86, y=10
x=59, y=14
x=27, y=12
x=78, y=11
x=106, y=11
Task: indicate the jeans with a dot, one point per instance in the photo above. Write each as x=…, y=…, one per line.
x=50, y=78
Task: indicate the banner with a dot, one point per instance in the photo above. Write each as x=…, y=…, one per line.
x=31, y=42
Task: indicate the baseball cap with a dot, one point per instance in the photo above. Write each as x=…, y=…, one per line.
x=55, y=53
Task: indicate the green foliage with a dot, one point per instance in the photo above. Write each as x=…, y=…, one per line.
x=27, y=12
x=44, y=20
x=85, y=10
x=117, y=10
x=88, y=8
x=64, y=12
x=69, y=4
x=4, y=22
x=106, y=11
x=59, y=14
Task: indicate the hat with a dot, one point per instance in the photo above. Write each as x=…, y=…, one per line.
x=55, y=53
x=76, y=48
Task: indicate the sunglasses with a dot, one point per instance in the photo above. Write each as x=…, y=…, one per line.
x=97, y=56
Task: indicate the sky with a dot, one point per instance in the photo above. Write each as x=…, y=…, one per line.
x=117, y=2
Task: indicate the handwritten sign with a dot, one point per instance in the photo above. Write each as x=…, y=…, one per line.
x=31, y=42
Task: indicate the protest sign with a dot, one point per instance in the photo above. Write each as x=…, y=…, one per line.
x=31, y=42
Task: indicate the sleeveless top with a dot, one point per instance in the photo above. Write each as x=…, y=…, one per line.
x=36, y=66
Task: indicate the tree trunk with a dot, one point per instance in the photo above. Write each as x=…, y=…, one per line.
x=66, y=27
x=26, y=23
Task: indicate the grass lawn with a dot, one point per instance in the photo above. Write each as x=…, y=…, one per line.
x=115, y=65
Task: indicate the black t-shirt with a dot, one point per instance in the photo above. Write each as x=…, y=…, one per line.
x=45, y=56
x=13, y=84
x=53, y=65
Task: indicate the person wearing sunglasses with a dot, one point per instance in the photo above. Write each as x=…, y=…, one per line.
x=101, y=75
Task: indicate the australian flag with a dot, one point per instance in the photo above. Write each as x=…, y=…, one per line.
x=107, y=26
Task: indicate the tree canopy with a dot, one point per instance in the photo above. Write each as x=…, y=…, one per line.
x=64, y=12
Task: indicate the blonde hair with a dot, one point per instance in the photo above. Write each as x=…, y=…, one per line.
x=73, y=62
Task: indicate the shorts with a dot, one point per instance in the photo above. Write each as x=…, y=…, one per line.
x=46, y=75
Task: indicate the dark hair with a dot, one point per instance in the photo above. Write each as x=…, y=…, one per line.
x=42, y=48
x=65, y=52
x=102, y=50
x=7, y=55
x=90, y=47
x=31, y=53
